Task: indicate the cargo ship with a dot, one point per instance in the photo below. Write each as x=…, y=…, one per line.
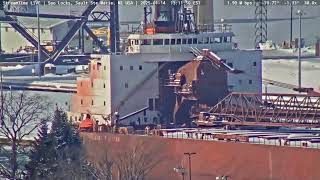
x=178, y=71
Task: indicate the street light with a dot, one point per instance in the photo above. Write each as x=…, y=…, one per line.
x=181, y=170
x=299, y=13
x=189, y=154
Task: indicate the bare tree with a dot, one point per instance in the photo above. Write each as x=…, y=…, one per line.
x=21, y=115
x=136, y=162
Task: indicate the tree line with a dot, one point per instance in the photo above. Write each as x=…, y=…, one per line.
x=57, y=152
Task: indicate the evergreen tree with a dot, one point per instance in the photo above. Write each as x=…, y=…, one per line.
x=42, y=154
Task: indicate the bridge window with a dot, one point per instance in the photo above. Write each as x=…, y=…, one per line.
x=173, y=41
x=250, y=81
x=189, y=41
x=121, y=68
x=167, y=41
x=194, y=41
x=184, y=41
x=211, y=40
x=206, y=40
x=217, y=40
x=200, y=40
x=140, y=67
x=178, y=41
x=146, y=42
x=158, y=42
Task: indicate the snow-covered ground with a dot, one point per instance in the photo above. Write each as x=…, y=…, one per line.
x=286, y=71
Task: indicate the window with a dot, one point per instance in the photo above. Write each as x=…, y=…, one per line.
x=173, y=41
x=184, y=41
x=7, y=29
x=189, y=41
x=87, y=37
x=217, y=40
x=158, y=42
x=178, y=41
x=225, y=39
x=151, y=104
x=92, y=102
x=146, y=42
x=254, y=63
x=33, y=30
x=104, y=85
x=144, y=112
x=230, y=64
x=195, y=41
x=140, y=67
x=250, y=81
x=121, y=68
x=240, y=81
x=206, y=40
x=136, y=42
x=104, y=68
x=80, y=84
x=145, y=119
x=156, y=104
x=42, y=30
x=131, y=68
x=211, y=40
x=167, y=41
x=81, y=101
x=126, y=85
x=91, y=83
x=200, y=41
x=104, y=103
x=93, y=67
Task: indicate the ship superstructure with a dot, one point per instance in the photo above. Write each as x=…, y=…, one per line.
x=130, y=86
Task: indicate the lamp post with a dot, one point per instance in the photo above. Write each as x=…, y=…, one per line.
x=299, y=13
x=189, y=154
x=39, y=53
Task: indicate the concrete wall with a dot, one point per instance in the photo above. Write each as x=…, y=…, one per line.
x=239, y=161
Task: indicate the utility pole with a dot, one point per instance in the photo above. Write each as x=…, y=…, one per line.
x=189, y=154
x=299, y=13
x=39, y=54
x=291, y=23
x=1, y=94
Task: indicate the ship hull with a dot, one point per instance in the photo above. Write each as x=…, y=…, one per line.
x=239, y=161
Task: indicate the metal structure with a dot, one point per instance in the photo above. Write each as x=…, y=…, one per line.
x=79, y=25
x=261, y=15
x=266, y=110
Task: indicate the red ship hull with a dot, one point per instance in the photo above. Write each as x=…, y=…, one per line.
x=238, y=161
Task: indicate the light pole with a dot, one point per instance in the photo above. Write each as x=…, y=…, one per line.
x=189, y=154
x=39, y=55
x=299, y=13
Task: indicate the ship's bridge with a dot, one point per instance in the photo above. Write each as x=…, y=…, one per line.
x=177, y=43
